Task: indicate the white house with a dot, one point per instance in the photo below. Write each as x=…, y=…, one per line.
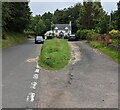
x=62, y=30
x=48, y=33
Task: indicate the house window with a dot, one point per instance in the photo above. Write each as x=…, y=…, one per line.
x=66, y=29
x=56, y=31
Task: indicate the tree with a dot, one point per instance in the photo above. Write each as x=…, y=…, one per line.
x=92, y=16
x=100, y=18
x=16, y=16
x=39, y=27
x=59, y=17
x=47, y=19
x=79, y=19
x=75, y=12
x=66, y=15
x=87, y=18
x=5, y=15
x=118, y=13
x=104, y=24
x=113, y=20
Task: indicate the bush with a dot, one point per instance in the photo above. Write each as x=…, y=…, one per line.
x=114, y=36
x=92, y=35
x=82, y=34
x=50, y=37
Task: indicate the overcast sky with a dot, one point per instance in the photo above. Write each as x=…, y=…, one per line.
x=42, y=7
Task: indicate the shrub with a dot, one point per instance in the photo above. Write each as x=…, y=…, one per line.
x=82, y=34
x=114, y=34
x=92, y=35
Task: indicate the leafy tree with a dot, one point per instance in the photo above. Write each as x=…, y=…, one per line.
x=21, y=15
x=5, y=14
x=67, y=15
x=104, y=25
x=75, y=12
x=39, y=27
x=92, y=16
x=16, y=16
x=113, y=20
x=118, y=20
x=59, y=17
x=87, y=18
x=47, y=19
x=101, y=19
x=79, y=19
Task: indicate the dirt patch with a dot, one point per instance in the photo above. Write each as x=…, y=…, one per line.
x=30, y=60
x=75, y=53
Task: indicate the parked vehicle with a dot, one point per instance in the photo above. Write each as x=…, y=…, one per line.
x=72, y=37
x=39, y=40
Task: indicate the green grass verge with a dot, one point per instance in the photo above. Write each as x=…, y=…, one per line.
x=55, y=54
x=110, y=52
x=12, y=39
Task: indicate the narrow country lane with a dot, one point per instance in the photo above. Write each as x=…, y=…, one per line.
x=89, y=81
x=18, y=66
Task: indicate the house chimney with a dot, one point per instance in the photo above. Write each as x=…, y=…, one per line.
x=70, y=27
x=70, y=23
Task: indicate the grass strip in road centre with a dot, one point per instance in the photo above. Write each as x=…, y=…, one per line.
x=108, y=51
x=55, y=54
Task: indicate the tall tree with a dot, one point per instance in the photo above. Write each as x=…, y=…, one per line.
x=100, y=18
x=87, y=18
x=118, y=20
x=66, y=15
x=113, y=20
x=92, y=16
x=39, y=27
x=104, y=24
x=16, y=16
x=5, y=15
x=74, y=15
x=47, y=19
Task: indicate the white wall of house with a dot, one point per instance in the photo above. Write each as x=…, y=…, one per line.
x=65, y=33
x=48, y=33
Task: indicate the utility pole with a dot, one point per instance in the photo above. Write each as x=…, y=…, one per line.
x=110, y=18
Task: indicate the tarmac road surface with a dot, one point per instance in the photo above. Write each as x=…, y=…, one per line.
x=89, y=81
x=18, y=65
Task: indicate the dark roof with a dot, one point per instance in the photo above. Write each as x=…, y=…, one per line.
x=62, y=26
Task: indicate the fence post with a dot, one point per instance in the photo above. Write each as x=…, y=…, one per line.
x=107, y=38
